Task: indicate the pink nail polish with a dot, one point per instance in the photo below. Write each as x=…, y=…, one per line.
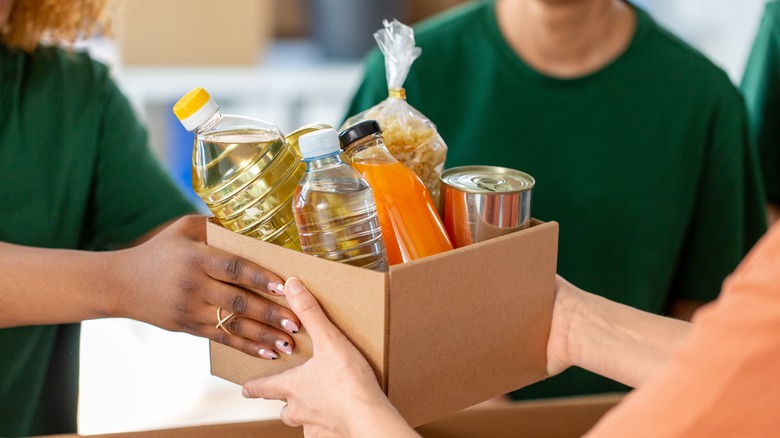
x=268, y=354
x=283, y=346
x=276, y=288
x=290, y=326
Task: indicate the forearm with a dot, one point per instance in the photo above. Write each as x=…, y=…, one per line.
x=618, y=341
x=378, y=419
x=52, y=286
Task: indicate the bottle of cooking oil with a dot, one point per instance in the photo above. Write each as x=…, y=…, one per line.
x=243, y=169
x=334, y=207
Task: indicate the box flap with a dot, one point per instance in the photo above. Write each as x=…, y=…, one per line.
x=568, y=417
x=554, y=418
x=502, y=330
x=254, y=429
x=354, y=299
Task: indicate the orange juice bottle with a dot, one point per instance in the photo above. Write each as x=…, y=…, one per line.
x=411, y=227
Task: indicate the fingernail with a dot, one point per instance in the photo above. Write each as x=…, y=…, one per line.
x=268, y=354
x=284, y=346
x=290, y=326
x=295, y=287
x=245, y=392
x=276, y=288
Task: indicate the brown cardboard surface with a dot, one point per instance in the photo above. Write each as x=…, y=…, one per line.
x=442, y=333
x=293, y=18
x=255, y=429
x=420, y=10
x=194, y=31
x=553, y=418
x=454, y=323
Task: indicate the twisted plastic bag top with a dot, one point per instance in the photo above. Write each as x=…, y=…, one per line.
x=409, y=136
x=396, y=41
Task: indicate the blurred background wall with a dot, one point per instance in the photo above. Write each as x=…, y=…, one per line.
x=290, y=62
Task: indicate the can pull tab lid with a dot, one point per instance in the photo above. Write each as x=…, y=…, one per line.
x=493, y=180
x=492, y=184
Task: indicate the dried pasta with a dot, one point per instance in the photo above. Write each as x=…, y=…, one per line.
x=412, y=139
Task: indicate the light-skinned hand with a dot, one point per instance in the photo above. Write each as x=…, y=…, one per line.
x=335, y=392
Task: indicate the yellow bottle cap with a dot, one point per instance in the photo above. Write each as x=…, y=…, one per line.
x=191, y=103
x=195, y=109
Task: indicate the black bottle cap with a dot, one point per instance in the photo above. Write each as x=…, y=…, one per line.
x=358, y=131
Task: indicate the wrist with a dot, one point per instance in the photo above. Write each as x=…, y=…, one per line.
x=374, y=415
x=112, y=284
x=579, y=310
x=594, y=330
x=564, y=346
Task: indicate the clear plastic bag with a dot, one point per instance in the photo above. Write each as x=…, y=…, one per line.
x=410, y=136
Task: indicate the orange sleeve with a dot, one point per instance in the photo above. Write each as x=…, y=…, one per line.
x=724, y=380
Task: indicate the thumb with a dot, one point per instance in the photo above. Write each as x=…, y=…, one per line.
x=269, y=388
x=303, y=303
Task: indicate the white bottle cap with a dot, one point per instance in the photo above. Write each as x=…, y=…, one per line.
x=319, y=143
x=200, y=116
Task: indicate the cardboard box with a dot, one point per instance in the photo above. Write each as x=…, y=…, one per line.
x=442, y=333
x=293, y=18
x=194, y=32
x=417, y=10
x=554, y=418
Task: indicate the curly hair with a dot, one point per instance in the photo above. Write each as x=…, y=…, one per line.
x=59, y=21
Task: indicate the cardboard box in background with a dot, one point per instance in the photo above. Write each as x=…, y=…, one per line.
x=293, y=17
x=442, y=333
x=195, y=32
x=553, y=418
x=420, y=10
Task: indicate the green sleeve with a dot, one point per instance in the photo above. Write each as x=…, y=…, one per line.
x=373, y=88
x=729, y=215
x=132, y=192
x=761, y=87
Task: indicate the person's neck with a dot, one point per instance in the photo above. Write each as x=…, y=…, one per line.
x=566, y=38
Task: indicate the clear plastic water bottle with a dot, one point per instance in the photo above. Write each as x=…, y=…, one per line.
x=334, y=207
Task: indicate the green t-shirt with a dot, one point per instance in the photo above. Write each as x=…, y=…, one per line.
x=76, y=174
x=646, y=164
x=761, y=86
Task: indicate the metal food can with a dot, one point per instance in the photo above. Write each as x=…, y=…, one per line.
x=483, y=202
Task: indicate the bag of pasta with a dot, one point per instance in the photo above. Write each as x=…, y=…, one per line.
x=409, y=136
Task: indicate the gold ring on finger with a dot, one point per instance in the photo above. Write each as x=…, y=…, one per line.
x=221, y=321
